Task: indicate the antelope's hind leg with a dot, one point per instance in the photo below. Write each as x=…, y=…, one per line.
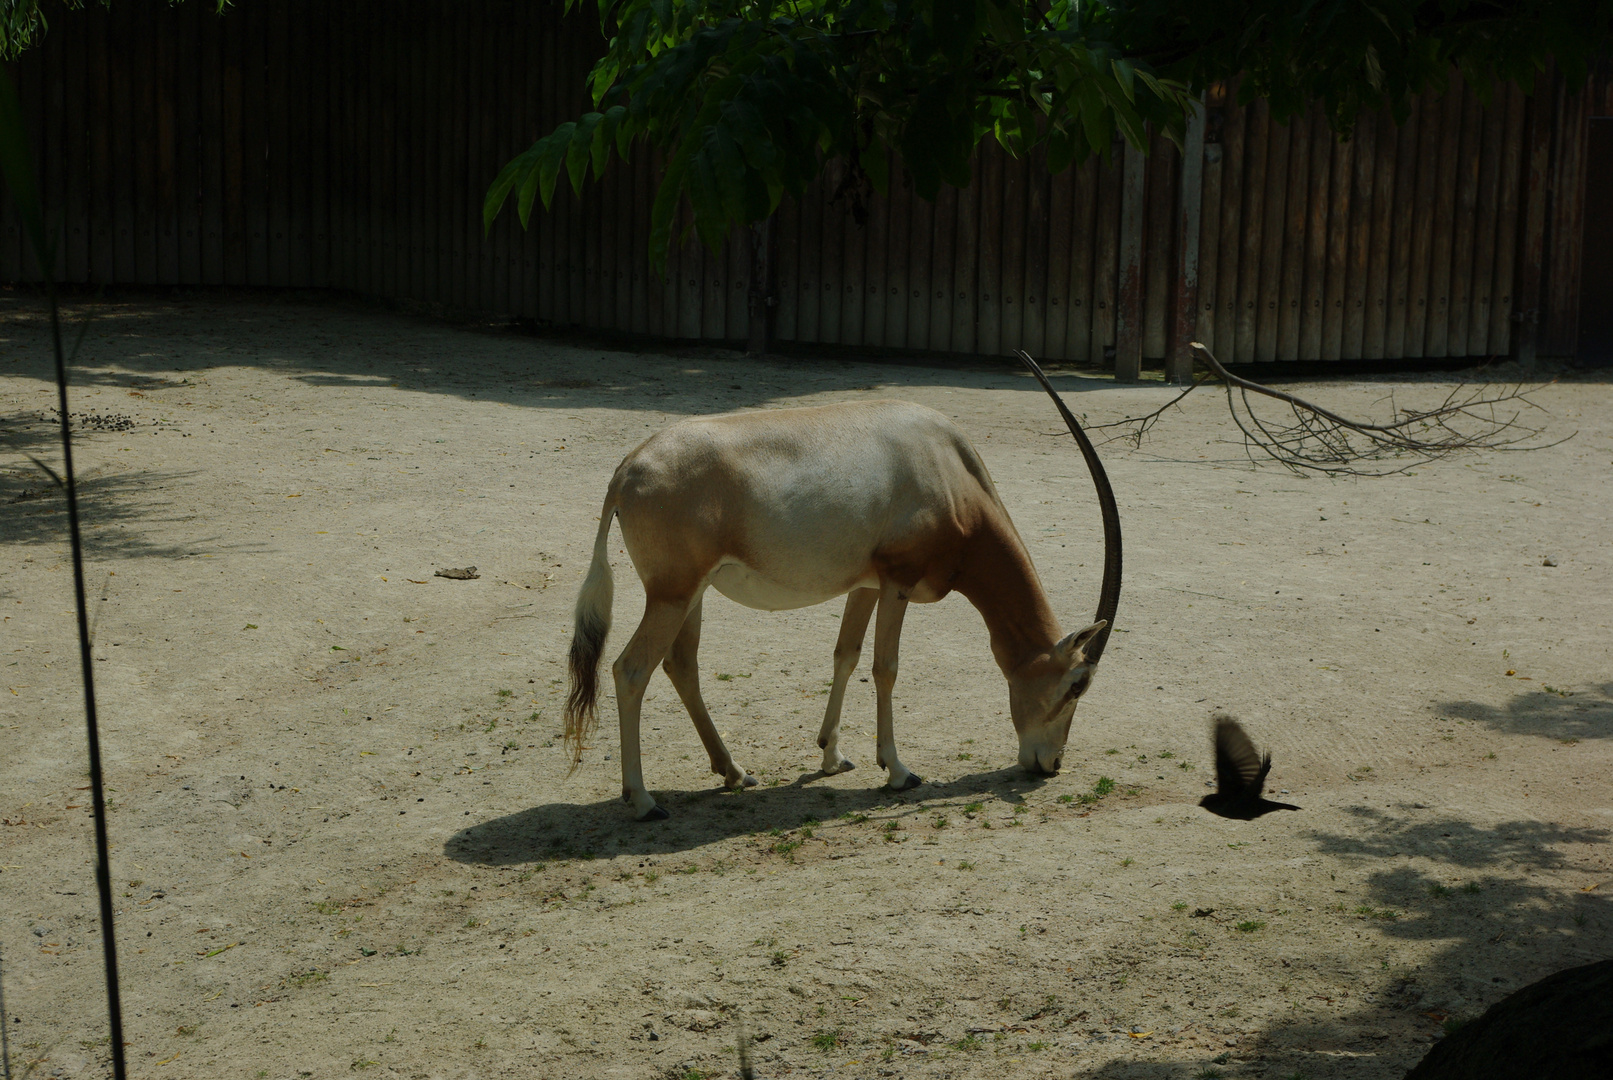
x=649, y=645
x=848, y=648
x=682, y=666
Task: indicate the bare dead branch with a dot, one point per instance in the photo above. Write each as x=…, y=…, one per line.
x=1316, y=439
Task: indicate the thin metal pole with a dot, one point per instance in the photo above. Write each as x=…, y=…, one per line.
x=103, y=871
x=16, y=163
x=5, y=1040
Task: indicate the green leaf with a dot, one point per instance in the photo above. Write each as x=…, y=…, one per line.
x=580, y=152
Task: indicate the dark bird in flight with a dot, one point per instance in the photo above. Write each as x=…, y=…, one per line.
x=1240, y=775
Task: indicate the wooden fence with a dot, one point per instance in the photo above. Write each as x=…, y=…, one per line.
x=348, y=144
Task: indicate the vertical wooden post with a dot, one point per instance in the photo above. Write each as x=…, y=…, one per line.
x=761, y=296
x=1532, y=241
x=1179, y=365
x=1129, y=304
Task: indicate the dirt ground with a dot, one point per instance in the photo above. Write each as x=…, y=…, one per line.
x=345, y=838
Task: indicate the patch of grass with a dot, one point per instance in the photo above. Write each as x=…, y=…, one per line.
x=1180, y=905
x=1127, y=861
x=1036, y=1047
x=308, y=978
x=968, y=1042
x=651, y=877
x=1473, y=888
x=1066, y=798
x=491, y=724
x=1208, y=1073
x=974, y=808
x=826, y=1040
x=784, y=847
x=965, y=757
x=471, y=923
x=1367, y=911
x=854, y=818
x=506, y=693
x=1490, y=756
x=1249, y=926
x=939, y=821
x=1102, y=787
x=779, y=957
x=971, y=866
x=1438, y=891
x=361, y=1063
x=1185, y=765
x=1166, y=754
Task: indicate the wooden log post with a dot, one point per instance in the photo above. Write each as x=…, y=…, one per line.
x=1129, y=303
x=760, y=295
x=1179, y=366
x=1532, y=227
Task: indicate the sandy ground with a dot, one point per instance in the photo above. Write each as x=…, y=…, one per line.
x=345, y=839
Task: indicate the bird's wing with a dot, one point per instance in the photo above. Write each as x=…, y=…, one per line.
x=1237, y=765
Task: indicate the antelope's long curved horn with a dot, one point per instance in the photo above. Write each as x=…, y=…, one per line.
x=1109, y=597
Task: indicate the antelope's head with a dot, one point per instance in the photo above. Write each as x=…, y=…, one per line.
x=1042, y=696
x=1043, y=692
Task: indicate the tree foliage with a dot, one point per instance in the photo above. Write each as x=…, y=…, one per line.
x=23, y=22
x=748, y=100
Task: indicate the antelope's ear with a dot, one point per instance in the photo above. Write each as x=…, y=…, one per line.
x=1071, y=650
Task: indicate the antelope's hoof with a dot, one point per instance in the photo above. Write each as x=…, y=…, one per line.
x=750, y=781
x=846, y=766
x=655, y=813
x=912, y=781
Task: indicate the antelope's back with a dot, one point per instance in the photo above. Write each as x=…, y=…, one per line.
x=804, y=495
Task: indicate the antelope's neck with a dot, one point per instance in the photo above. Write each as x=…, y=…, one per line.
x=999, y=579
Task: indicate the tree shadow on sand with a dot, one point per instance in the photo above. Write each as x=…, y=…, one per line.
x=1500, y=930
x=119, y=509
x=606, y=828
x=1500, y=927
x=1547, y=712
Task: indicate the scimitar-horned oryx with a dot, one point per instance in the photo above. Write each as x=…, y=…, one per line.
x=884, y=502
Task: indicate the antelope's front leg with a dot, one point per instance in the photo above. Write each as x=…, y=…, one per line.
x=887, y=636
x=849, y=647
x=650, y=642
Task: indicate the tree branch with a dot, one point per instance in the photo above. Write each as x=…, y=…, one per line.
x=1318, y=439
